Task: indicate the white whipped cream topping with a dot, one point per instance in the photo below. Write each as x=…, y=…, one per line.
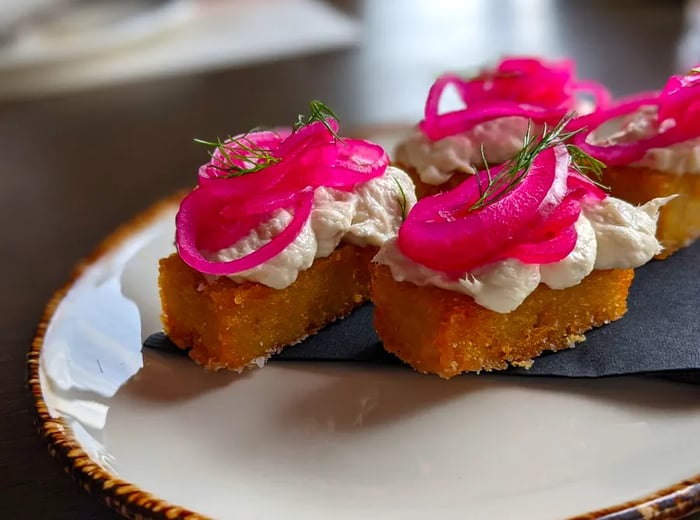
x=368, y=215
x=578, y=264
x=437, y=161
x=625, y=233
x=612, y=234
x=679, y=158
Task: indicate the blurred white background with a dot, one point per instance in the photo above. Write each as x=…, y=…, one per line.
x=49, y=46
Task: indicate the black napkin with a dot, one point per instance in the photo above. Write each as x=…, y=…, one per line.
x=659, y=335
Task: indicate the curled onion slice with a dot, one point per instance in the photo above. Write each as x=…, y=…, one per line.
x=253, y=175
x=189, y=248
x=525, y=87
x=532, y=222
x=551, y=249
x=601, y=95
x=677, y=120
x=584, y=186
x=342, y=165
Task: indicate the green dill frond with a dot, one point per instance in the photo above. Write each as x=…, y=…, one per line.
x=318, y=111
x=584, y=163
x=403, y=202
x=242, y=156
x=514, y=171
x=487, y=169
x=252, y=157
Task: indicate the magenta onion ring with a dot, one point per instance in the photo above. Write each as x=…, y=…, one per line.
x=678, y=103
x=524, y=87
x=191, y=255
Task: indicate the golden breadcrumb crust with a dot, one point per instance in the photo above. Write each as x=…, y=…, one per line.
x=445, y=333
x=231, y=325
x=679, y=220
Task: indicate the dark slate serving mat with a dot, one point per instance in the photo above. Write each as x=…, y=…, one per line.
x=659, y=335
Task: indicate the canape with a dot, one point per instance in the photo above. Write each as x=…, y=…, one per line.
x=276, y=240
x=523, y=258
x=651, y=146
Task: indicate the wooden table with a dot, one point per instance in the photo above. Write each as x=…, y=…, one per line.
x=75, y=166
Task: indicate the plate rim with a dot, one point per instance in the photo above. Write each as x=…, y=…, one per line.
x=671, y=502
x=124, y=497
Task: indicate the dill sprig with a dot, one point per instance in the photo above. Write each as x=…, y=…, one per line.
x=514, y=171
x=585, y=164
x=253, y=158
x=403, y=202
x=318, y=111
x=242, y=156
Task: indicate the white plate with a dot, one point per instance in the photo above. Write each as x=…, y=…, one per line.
x=315, y=441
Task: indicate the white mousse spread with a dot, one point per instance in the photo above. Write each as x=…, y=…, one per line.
x=612, y=234
x=679, y=158
x=436, y=161
x=369, y=215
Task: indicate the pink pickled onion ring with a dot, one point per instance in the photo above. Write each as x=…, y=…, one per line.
x=678, y=103
x=533, y=222
x=524, y=87
x=231, y=200
x=578, y=182
x=558, y=246
x=342, y=166
x=552, y=238
x=190, y=253
x=601, y=95
x=306, y=136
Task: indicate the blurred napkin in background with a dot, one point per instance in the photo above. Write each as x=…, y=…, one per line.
x=64, y=45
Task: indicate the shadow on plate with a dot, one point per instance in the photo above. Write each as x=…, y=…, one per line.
x=172, y=377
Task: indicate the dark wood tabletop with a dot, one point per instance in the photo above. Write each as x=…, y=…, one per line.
x=75, y=165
